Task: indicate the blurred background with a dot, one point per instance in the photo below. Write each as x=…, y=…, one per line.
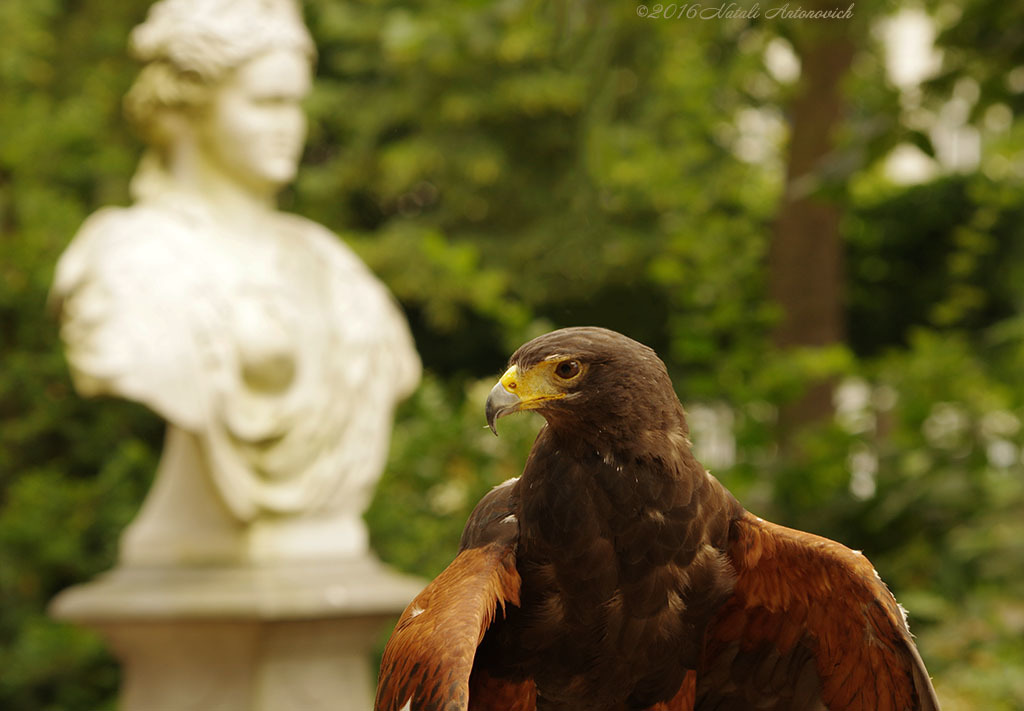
x=819, y=224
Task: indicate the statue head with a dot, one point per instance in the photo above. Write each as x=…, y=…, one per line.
x=227, y=75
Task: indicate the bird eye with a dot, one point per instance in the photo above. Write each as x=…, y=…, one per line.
x=567, y=369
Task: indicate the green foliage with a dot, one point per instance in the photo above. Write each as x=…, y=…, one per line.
x=515, y=166
x=542, y=159
x=978, y=49
x=962, y=251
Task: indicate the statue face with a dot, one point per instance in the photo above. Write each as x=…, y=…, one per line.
x=254, y=128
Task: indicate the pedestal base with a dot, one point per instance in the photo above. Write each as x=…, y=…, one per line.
x=281, y=638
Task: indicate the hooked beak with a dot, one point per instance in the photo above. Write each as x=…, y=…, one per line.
x=531, y=389
x=502, y=401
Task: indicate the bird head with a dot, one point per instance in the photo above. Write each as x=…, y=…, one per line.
x=588, y=378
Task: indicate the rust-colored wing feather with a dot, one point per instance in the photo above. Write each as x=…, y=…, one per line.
x=428, y=661
x=684, y=698
x=809, y=626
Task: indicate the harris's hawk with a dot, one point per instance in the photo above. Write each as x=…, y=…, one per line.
x=616, y=573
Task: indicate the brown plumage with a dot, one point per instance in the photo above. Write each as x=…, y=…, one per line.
x=616, y=573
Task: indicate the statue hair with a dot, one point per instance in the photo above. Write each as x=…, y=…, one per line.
x=189, y=46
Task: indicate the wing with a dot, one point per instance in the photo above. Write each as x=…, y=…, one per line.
x=684, y=698
x=810, y=625
x=428, y=661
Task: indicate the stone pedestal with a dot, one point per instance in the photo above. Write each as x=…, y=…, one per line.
x=284, y=637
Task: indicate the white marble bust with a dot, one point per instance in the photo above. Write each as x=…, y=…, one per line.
x=273, y=353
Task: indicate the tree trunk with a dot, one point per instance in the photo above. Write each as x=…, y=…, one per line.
x=805, y=259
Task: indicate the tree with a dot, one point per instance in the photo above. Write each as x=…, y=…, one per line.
x=805, y=261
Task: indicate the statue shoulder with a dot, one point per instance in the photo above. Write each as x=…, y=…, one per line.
x=113, y=238
x=140, y=222
x=323, y=240
x=127, y=331
x=364, y=302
